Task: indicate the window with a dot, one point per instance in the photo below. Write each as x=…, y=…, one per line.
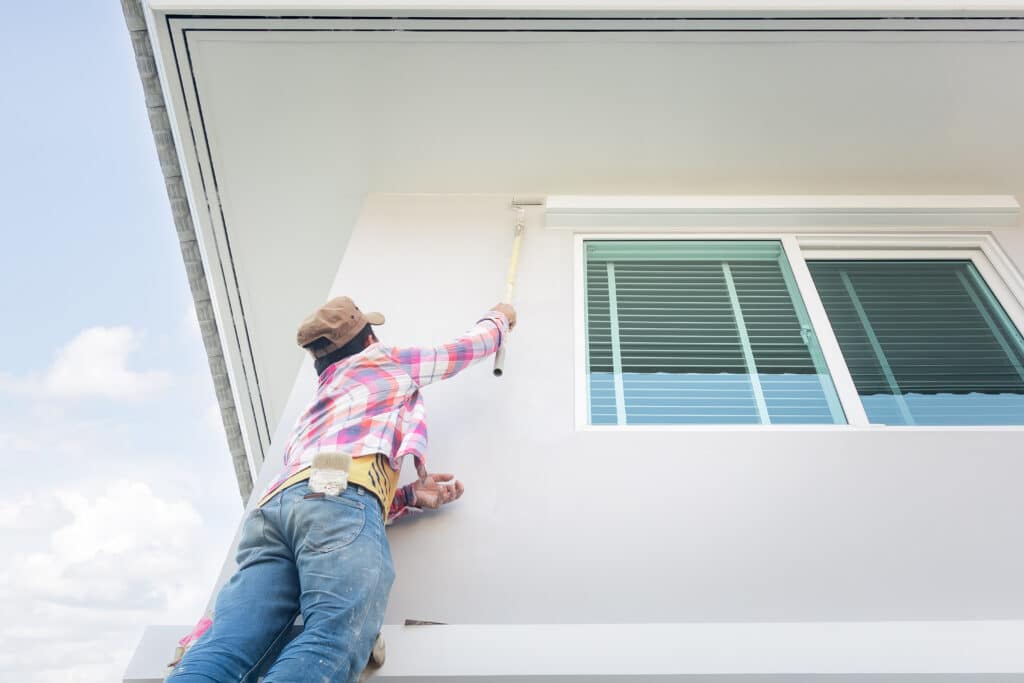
x=926, y=341
x=700, y=332
x=916, y=331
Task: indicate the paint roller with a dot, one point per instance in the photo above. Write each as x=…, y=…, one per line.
x=513, y=267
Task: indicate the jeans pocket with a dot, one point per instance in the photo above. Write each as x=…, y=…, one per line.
x=336, y=522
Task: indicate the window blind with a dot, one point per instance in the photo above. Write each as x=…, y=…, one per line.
x=700, y=332
x=926, y=342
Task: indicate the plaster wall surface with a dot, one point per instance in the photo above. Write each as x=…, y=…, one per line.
x=566, y=526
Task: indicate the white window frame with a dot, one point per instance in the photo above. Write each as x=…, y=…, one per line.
x=995, y=268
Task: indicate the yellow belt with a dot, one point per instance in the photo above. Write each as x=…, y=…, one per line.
x=372, y=472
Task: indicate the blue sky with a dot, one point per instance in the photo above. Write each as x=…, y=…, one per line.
x=118, y=476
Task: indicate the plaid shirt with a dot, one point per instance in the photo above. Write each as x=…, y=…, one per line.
x=370, y=403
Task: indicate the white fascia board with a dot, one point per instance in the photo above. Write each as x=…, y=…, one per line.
x=634, y=7
x=238, y=365
x=792, y=211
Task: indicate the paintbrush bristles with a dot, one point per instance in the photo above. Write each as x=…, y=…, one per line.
x=329, y=473
x=332, y=461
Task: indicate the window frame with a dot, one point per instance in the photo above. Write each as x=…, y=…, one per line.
x=995, y=268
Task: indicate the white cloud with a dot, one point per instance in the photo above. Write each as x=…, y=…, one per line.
x=86, y=570
x=119, y=520
x=95, y=363
x=18, y=385
x=13, y=442
x=118, y=546
x=31, y=515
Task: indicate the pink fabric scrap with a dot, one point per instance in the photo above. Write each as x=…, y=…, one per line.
x=202, y=627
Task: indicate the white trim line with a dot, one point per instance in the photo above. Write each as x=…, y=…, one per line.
x=1016, y=429
x=581, y=397
x=821, y=327
x=580, y=212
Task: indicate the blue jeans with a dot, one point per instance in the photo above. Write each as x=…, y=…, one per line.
x=325, y=557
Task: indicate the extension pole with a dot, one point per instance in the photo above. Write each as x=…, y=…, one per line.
x=510, y=283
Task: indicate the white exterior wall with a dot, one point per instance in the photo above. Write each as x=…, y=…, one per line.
x=710, y=524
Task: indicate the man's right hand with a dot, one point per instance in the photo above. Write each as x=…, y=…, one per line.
x=437, y=490
x=507, y=311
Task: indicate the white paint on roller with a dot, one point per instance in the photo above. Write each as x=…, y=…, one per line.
x=510, y=282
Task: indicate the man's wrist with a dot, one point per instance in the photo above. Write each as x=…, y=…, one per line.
x=410, y=495
x=500, y=322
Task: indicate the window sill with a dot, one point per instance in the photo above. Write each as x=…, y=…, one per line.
x=800, y=428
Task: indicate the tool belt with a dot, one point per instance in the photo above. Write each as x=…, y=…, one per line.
x=374, y=473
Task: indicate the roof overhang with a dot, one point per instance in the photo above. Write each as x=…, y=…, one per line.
x=286, y=116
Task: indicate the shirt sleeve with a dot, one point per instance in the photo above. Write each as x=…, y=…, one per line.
x=401, y=505
x=431, y=364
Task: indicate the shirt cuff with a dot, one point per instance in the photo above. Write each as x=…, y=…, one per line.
x=408, y=493
x=499, y=320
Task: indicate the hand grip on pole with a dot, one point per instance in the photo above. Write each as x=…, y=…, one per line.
x=510, y=285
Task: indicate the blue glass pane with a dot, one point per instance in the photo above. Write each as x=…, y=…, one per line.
x=689, y=398
x=797, y=399
x=926, y=342
x=948, y=409
x=700, y=332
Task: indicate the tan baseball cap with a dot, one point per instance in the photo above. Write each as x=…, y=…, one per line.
x=338, y=321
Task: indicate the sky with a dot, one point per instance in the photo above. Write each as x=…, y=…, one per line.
x=119, y=500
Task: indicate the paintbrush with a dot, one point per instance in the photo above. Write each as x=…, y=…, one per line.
x=329, y=473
